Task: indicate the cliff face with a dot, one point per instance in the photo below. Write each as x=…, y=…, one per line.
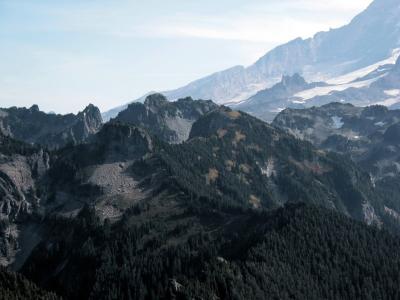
x=22, y=167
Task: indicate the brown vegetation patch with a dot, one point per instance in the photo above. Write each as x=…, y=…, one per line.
x=212, y=176
x=239, y=136
x=233, y=114
x=221, y=132
x=229, y=164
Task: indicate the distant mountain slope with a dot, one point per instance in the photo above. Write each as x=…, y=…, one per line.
x=269, y=102
x=372, y=36
x=370, y=135
x=382, y=88
x=51, y=130
x=170, y=121
x=379, y=85
x=342, y=127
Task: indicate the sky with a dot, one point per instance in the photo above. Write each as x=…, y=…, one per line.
x=65, y=54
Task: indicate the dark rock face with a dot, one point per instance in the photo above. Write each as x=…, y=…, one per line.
x=170, y=121
x=36, y=127
x=22, y=167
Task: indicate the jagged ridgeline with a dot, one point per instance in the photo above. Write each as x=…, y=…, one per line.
x=230, y=159
x=190, y=200
x=170, y=121
x=50, y=130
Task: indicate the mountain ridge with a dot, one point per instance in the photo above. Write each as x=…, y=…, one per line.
x=313, y=58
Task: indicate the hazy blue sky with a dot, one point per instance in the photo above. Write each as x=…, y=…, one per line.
x=63, y=54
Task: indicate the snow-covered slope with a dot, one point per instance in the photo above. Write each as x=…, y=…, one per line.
x=371, y=37
x=369, y=86
x=356, y=79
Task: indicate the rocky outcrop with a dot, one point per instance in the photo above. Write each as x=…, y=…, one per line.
x=170, y=121
x=36, y=127
x=267, y=103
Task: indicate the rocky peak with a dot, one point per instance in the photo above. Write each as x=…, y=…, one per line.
x=123, y=141
x=170, y=121
x=91, y=120
x=155, y=100
x=92, y=110
x=34, y=108
x=375, y=111
x=294, y=80
x=37, y=127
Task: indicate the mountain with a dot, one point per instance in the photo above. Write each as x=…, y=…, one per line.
x=238, y=209
x=229, y=158
x=382, y=87
x=370, y=136
x=50, y=130
x=327, y=55
x=339, y=51
x=268, y=102
x=343, y=127
x=170, y=121
x=377, y=87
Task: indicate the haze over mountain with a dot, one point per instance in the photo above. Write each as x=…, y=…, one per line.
x=325, y=56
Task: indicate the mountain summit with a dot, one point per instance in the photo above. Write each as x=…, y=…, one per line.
x=371, y=37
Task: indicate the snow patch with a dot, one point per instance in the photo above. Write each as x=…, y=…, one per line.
x=326, y=90
x=277, y=110
x=365, y=71
x=346, y=81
